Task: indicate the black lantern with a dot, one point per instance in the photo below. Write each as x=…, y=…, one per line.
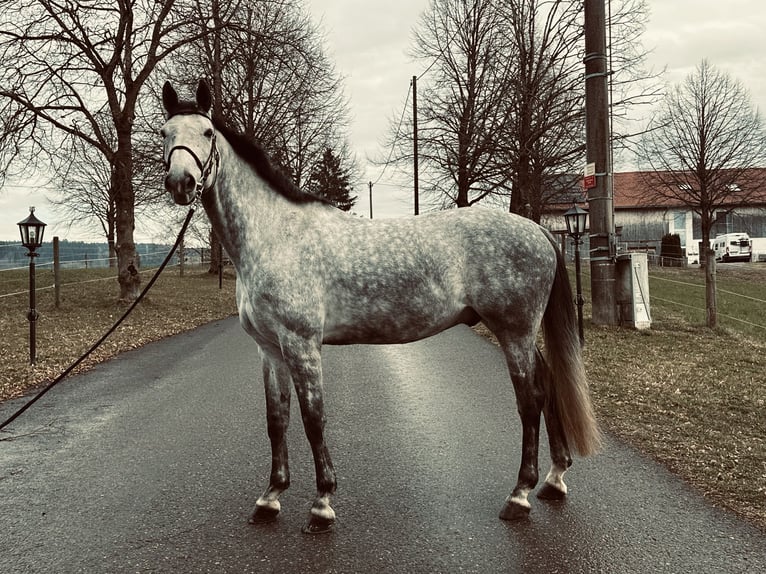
x=32, y=230
x=577, y=222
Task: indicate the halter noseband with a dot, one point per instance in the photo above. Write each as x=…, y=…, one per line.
x=206, y=168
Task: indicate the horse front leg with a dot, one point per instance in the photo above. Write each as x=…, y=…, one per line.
x=306, y=370
x=276, y=379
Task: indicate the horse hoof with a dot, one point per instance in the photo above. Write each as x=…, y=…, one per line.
x=550, y=492
x=514, y=511
x=263, y=514
x=318, y=525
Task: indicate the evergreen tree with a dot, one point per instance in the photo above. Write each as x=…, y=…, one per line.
x=330, y=180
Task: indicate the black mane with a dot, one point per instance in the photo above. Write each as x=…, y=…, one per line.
x=256, y=157
x=252, y=153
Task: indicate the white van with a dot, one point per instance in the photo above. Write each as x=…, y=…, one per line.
x=733, y=247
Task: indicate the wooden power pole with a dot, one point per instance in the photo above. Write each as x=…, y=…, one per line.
x=370, y=184
x=597, y=136
x=415, y=139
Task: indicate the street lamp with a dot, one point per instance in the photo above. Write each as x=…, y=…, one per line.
x=32, y=230
x=577, y=221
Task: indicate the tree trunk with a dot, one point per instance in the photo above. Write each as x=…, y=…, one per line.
x=710, y=288
x=521, y=184
x=707, y=255
x=215, y=253
x=128, y=262
x=111, y=241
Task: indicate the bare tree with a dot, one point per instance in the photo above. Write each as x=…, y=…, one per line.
x=458, y=114
x=700, y=150
x=270, y=77
x=545, y=136
x=67, y=64
x=86, y=196
x=502, y=110
x=271, y=80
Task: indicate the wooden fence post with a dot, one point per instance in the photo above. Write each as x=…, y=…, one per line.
x=56, y=273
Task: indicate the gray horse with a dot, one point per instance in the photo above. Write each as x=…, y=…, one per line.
x=309, y=274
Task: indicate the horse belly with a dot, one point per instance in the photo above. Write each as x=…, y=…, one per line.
x=395, y=325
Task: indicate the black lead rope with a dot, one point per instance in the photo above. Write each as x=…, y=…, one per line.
x=109, y=332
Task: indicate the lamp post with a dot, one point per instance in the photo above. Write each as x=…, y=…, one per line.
x=577, y=221
x=32, y=230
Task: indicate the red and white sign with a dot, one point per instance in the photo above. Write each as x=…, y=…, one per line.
x=589, y=176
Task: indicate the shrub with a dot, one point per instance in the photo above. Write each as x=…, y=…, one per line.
x=671, y=253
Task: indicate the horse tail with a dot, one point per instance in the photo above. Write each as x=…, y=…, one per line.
x=564, y=369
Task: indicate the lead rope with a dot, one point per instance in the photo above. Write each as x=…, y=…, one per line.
x=98, y=343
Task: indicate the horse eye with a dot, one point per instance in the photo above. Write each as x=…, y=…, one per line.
x=162, y=133
x=209, y=133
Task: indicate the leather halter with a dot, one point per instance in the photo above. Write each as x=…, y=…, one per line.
x=204, y=168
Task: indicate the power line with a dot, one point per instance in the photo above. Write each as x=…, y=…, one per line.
x=396, y=135
x=404, y=108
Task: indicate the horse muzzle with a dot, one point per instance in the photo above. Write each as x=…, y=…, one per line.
x=183, y=189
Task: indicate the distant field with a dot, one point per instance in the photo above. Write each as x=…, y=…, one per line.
x=741, y=296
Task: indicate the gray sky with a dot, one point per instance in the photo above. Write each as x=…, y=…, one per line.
x=369, y=42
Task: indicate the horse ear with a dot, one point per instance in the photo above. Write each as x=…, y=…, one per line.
x=204, y=99
x=169, y=97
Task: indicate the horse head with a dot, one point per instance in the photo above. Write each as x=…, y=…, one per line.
x=189, y=135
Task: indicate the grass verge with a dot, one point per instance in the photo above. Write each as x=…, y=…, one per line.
x=688, y=396
x=88, y=309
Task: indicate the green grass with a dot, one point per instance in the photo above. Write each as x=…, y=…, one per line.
x=741, y=297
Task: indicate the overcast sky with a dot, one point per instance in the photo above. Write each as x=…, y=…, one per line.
x=369, y=41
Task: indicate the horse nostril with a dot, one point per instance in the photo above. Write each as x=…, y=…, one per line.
x=189, y=183
x=183, y=184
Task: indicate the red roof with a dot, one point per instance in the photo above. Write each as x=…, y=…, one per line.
x=634, y=189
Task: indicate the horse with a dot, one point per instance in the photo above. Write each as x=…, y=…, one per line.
x=309, y=274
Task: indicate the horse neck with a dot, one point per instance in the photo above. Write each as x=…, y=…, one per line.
x=241, y=206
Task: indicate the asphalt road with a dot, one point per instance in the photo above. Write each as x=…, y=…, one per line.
x=153, y=462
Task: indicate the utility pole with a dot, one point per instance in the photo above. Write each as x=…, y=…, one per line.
x=370, y=183
x=597, y=142
x=415, y=138
x=216, y=257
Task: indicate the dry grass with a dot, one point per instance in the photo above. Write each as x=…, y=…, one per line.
x=88, y=309
x=690, y=397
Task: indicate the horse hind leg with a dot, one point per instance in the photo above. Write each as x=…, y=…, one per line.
x=554, y=487
x=530, y=398
x=276, y=380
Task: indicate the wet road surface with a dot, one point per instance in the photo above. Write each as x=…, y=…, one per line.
x=153, y=462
